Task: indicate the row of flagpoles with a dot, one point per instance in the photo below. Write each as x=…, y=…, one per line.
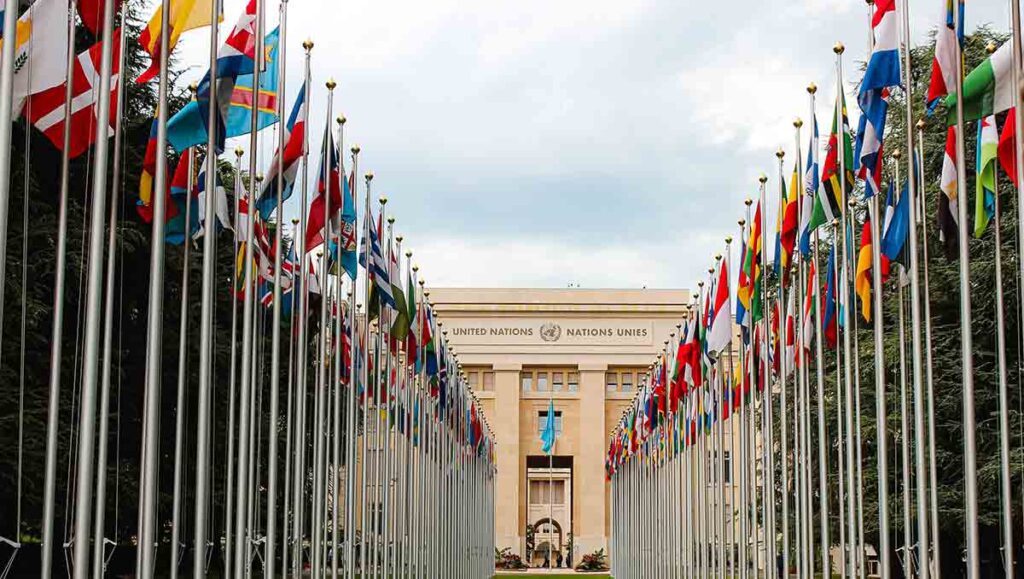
x=378, y=462
x=682, y=504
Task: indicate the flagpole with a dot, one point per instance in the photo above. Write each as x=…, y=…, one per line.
x=852, y=317
x=179, y=414
x=7, y=71
x=99, y=525
x=60, y=257
x=270, y=560
x=351, y=433
x=744, y=532
x=1006, y=505
x=841, y=387
x=933, y=502
x=87, y=417
x=966, y=339
x=904, y=426
x=290, y=420
x=367, y=389
x=337, y=347
x=242, y=540
x=229, y=513
x=302, y=302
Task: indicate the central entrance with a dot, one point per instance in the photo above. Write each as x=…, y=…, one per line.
x=549, y=513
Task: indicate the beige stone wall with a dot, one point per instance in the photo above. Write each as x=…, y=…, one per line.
x=587, y=331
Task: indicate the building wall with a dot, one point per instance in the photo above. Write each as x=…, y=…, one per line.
x=509, y=332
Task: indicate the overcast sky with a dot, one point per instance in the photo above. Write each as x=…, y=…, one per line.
x=606, y=143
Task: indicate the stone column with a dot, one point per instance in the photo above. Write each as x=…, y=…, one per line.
x=590, y=487
x=505, y=421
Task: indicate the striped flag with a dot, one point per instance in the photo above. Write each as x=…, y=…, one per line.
x=185, y=15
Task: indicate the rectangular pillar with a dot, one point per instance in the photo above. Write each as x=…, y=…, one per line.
x=591, y=488
x=505, y=421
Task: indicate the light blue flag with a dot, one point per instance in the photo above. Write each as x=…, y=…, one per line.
x=547, y=437
x=187, y=127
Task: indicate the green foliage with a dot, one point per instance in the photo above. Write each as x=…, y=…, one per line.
x=596, y=561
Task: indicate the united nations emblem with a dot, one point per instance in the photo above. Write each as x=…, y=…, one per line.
x=550, y=332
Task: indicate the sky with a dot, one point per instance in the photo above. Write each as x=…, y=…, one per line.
x=593, y=143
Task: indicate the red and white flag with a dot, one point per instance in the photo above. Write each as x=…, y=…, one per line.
x=45, y=109
x=720, y=334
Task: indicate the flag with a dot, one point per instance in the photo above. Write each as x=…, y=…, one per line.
x=184, y=15
x=547, y=436
x=91, y=13
x=985, y=176
x=232, y=91
x=897, y=226
x=177, y=200
x=144, y=206
x=45, y=109
x=863, y=279
x=948, y=215
x=327, y=177
x=752, y=267
x=790, y=346
x=882, y=73
x=988, y=89
x=830, y=327
x=811, y=184
x=377, y=267
x=220, y=205
x=743, y=294
x=285, y=163
x=832, y=195
x=40, y=51
x=944, y=65
x=413, y=339
x=720, y=333
x=810, y=304
x=790, y=221
x=1007, y=146
x=401, y=321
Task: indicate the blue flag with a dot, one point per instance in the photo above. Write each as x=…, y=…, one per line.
x=547, y=437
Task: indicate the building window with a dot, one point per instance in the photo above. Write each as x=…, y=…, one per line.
x=726, y=467
x=542, y=421
x=556, y=381
x=543, y=492
x=527, y=381
x=480, y=379
x=548, y=380
x=622, y=379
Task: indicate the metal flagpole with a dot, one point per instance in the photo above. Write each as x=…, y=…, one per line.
x=861, y=553
x=966, y=340
x=321, y=386
x=60, y=257
x=367, y=388
x=289, y=422
x=915, y=311
x=841, y=386
x=904, y=425
x=783, y=329
x=301, y=302
x=207, y=330
x=1004, y=419
x=933, y=508
x=337, y=347
x=270, y=546
x=350, y=423
x=768, y=474
x=241, y=537
x=94, y=289
x=7, y=71
x=99, y=538
x=154, y=338
x=179, y=413
x=229, y=503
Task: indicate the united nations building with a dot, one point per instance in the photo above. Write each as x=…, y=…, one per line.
x=585, y=352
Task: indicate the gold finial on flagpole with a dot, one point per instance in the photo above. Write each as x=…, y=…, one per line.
x=369, y=176
x=239, y=151
x=341, y=119
x=838, y=48
x=307, y=44
x=331, y=84
x=780, y=153
x=763, y=178
x=920, y=124
x=990, y=47
x=741, y=222
x=812, y=88
x=355, y=149
x=798, y=122
x=398, y=238
x=728, y=239
x=748, y=201
x=897, y=154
